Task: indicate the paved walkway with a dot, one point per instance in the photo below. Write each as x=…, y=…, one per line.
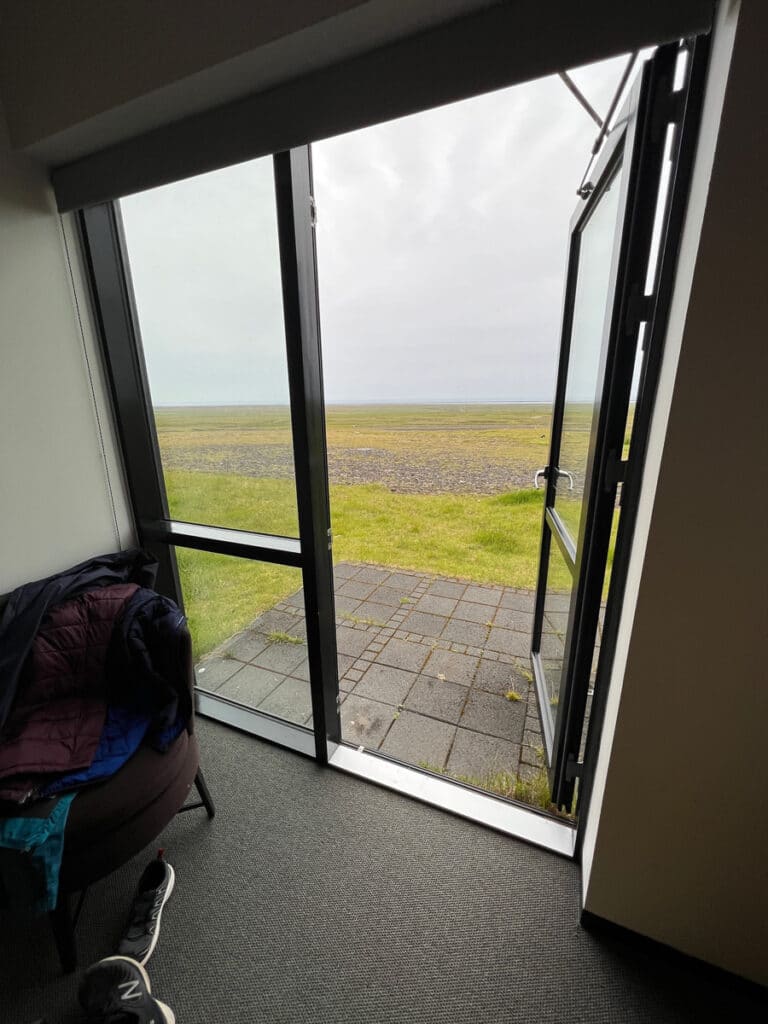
x=433, y=671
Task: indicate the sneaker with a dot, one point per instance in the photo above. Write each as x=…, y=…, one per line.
x=117, y=991
x=143, y=931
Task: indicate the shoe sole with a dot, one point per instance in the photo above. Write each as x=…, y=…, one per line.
x=166, y=897
x=168, y=1014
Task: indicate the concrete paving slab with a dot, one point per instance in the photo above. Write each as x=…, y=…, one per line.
x=290, y=700
x=390, y=596
x=343, y=570
x=478, y=756
x=471, y=611
x=446, y=588
x=437, y=699
x=494, y=716
x=251, y=685
x=524, y=602
x=351, y=588
x=417, y=739
x=483, y=595
x=498, y=677
x=455, y=668
x=369, y=574
x=247, y=646
x=365, y=722
x=513, y=618
x=507, y=641
x=352, y=641
x=424, y=623
x=280, y=622
x=379, y=614
x=436, y=605
x=212, y=673
x=346, y=604
x=404, y=654
x=386, y=684
x=281, y=658
x=471, y=633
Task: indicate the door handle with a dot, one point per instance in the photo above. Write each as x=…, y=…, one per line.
x=545, y=473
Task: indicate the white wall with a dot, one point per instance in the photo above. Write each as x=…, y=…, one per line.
x=62, y=496
x=676, y=840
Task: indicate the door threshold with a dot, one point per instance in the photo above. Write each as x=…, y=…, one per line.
x=511, y=819
x=257, y=723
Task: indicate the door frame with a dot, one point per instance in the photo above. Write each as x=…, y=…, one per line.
x=652, y=107
x=104, y=247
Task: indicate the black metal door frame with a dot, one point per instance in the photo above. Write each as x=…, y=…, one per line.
x=653, y=109
x=114, y=304
x=640, y=145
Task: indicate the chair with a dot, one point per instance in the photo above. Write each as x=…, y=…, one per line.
x=112, y=821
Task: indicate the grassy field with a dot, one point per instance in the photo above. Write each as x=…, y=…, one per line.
x=438, y=489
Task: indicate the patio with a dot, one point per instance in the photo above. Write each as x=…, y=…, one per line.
x=432, y=671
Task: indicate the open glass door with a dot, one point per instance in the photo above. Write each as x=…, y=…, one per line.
x=608, y=308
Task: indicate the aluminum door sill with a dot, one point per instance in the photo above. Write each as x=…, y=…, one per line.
x=284, y=734
x=512, y=819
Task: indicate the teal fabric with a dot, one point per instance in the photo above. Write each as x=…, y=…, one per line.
x=31, y=879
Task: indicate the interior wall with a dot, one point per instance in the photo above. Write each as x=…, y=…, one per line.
x=676, y=839
x=62, y=495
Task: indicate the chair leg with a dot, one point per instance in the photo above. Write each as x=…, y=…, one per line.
x=64, y=932
x=204, y=793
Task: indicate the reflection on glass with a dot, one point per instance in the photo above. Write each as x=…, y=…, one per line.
x=205, y=266
x=248, y=631
x=583, y=379
x=557, y=604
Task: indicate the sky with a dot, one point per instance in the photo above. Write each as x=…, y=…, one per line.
x=441, y=243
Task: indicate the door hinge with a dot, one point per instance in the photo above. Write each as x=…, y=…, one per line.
x=667, y=110
x=312, y=211
x=330, y=539
x=639, y=308
x=615, y=470
x=573, y=769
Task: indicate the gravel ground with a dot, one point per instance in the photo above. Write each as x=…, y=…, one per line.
x=402, y=473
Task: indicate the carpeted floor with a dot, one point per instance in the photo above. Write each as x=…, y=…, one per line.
x=314, y=897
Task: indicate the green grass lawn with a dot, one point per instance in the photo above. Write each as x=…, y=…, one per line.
x=488, y=539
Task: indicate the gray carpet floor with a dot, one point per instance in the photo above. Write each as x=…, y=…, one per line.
x=314, y=897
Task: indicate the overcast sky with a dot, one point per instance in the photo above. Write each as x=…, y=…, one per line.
x=441, y=254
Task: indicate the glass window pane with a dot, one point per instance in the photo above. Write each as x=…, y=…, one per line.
x=205, y=265
x=557, y=605
x=583, y=380
x=248, y=631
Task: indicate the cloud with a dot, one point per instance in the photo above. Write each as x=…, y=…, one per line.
x=441, y=255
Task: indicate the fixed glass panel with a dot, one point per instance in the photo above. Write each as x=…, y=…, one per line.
x=248, y=632
x=205, y=265
x=557, y=603
x=584, y=382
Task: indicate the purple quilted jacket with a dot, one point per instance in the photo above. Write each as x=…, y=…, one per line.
x=57, y=718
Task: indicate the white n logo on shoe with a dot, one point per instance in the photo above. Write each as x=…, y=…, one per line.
x=131, y=990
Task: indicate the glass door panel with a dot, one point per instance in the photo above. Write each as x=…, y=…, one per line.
x=600, y=359
x=580, y=386
x=249, y=632
x=205, y=264
x=583, y=386
x=557, y=604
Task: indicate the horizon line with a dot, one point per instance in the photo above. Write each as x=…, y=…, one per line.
x=364, y=401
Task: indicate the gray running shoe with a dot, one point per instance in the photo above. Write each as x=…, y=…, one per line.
x=143, y=931
x=117, y=991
